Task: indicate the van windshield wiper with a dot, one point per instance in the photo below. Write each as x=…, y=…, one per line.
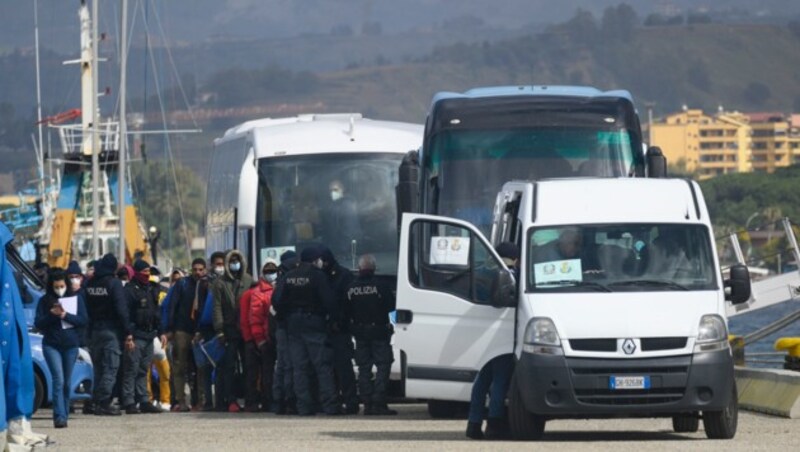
x=571, y=282
x=650, y=283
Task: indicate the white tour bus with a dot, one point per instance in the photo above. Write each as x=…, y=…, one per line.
x=270, y=181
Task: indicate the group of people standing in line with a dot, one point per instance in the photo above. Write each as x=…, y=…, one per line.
x=288, y=336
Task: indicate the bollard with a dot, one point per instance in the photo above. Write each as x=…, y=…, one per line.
x=737, y=347
x=792, y=347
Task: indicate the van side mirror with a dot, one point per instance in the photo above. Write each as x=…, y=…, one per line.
x=504, y=294
x=739, y=284
x=656, y=163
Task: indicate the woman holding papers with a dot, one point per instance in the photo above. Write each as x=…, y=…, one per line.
x=60, y=316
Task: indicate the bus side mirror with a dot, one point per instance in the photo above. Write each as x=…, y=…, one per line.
x=656, y=163
x=505, y=290
x=407, y=191
x=739, y=284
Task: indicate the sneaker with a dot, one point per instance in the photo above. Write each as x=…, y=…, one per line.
x=148, y=408
x=165, y=407
x=60, y=423
x=107, y=410
x=234, y=408
x=184, y=408
x=131, y=409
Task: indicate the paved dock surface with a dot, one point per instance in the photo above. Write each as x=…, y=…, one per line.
x=412, y=429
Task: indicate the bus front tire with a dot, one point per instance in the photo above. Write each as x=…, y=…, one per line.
x=525, y=426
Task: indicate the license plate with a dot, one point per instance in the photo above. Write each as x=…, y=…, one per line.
x=629, y=382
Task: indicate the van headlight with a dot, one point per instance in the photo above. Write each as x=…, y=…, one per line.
x=712, y=334
x=541, y=337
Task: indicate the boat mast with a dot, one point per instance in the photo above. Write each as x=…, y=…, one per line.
x=123, y=129
x=91, y=93
x=38, y=98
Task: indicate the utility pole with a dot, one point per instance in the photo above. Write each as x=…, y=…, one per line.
x=123, y=129
x=40, y=146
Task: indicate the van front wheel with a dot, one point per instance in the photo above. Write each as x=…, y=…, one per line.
x=525, y=426
x=722, y=424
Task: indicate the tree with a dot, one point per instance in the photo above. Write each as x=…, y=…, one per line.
x=160, y=206
x=619, y=22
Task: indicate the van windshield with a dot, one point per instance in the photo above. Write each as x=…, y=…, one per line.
x=620, y=257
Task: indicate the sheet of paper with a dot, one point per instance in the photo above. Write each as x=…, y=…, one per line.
x=70, y=304
x=555, y=271
x=446, y=250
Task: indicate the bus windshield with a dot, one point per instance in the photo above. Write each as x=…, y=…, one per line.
x=467, y=160
x=620, y=257
x=344, y=201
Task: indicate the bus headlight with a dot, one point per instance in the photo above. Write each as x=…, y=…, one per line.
x=711, y=334
x=541, y=337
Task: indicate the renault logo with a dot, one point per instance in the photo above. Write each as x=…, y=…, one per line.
x=628, y=346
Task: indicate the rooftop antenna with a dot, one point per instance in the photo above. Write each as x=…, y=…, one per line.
x=352, y=130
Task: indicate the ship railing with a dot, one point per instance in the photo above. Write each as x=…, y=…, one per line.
x=72, y=137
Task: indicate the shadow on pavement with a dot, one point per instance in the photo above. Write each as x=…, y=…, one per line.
x=560, y=436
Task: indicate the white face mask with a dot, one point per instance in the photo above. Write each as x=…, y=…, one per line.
x=219, y=270
x=271, y=277
x=336, y=195
x=124, y=283
x=318, y=263
x=235, y=266
x=61, y=292
x=76, y=282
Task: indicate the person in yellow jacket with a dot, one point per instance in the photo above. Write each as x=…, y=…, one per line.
x=161, y=364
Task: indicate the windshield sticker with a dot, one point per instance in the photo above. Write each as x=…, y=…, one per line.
x=449, y=251
x=553, y=271
x=274, y=253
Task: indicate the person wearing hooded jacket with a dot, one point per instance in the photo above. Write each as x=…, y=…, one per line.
x=145, y=326
x=259, y=349
x=227, y=291
x=340, y=335
x=110, y=328
x=305, y=297
x=62, y=332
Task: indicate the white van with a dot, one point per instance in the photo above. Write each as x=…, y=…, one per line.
x=618, y=311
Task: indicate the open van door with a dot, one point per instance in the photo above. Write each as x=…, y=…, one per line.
x=455, y=306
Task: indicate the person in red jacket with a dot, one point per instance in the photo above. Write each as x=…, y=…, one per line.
x=259, y=358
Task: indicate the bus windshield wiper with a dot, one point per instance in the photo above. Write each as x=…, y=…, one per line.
x=651, y=283
x=571, y=282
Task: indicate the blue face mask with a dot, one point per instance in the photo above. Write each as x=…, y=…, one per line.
x=235, y=266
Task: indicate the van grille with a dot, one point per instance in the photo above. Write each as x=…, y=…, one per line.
x=593, y=345
x=652, y=344
x=668, y=379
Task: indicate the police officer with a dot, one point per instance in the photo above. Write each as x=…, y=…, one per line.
x=283, y=383
x=110, y=327
x=341, y=338
x=145, y=321
x=370, y=301
x=307, y=300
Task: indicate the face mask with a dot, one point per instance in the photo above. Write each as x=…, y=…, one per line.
x=61, y=292
x=124, y=283
x=142, y=278
x=235, y=266
x=336, y=195
x=270, y=277
x=219, y=270
x=318, y=263
x=76, y=282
